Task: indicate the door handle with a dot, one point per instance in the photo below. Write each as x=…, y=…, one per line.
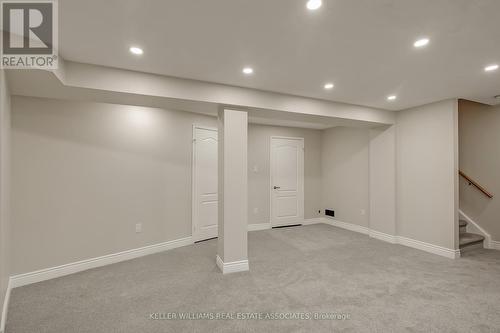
x=276, y=187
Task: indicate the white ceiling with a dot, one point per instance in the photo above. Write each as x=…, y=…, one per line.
x=364, y=46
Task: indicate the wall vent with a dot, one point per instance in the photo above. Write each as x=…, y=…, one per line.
x=329, y=212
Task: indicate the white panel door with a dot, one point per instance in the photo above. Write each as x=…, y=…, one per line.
x=205, y=200
x=287, y=181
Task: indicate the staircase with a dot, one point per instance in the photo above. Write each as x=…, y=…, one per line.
x=469, y=241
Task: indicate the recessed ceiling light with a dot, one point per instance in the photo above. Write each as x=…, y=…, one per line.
x=248, y=70
x=421, y=42
x=391, y=97
x=314, y=4
x=329, y=86
x=136, y=50
x=491, y=68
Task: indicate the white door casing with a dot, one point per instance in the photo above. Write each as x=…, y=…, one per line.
x=287, y=180
x=205, y=185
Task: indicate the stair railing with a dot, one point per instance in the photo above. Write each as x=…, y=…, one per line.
x=475, y=184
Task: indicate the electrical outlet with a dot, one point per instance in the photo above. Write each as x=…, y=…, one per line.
x=138, y=227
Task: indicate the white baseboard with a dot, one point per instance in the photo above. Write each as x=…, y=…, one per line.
x=346, y=225
x=55, y=272
x=259, y=226
x=267, y=225
x=5, y=308
x=383, y=236
x=416, y=244
x=232, y=267
x=314, y=220
x=428, y=247
x=494, y=245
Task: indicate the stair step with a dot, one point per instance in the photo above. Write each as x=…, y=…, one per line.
x=462, y=223
x=467, y=239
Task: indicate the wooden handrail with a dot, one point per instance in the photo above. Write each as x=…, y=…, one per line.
x=479, y=187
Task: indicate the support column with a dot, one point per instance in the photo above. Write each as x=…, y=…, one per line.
x=232, y=244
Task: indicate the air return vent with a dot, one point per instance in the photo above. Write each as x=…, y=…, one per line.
x=329, y=212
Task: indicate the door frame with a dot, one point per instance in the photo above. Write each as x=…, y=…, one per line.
x=301, y=197
x=193, y=176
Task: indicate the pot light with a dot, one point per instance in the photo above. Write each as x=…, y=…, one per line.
x=313, y=4
x=391, y=97
x=136, y=50
x=421, y=42
x=247, y=70
x=329, y=86
x=491, y=68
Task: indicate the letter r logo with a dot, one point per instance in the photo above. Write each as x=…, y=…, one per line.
x=27, y=27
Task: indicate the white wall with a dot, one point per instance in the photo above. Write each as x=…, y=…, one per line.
x=345, y=171
x=85, y=173
x=479, y=133
x=4, y=186
x=383, y=180
x=405, y=176
x=259, y=138
x=359, y=174
x=427, y=173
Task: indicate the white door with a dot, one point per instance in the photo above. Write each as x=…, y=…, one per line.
x=205, y=198
x=287, y=181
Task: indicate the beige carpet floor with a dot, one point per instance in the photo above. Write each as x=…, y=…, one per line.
x=294, y=274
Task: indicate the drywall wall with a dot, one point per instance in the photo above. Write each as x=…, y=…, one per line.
x=479, y=138
x=345, y=173
x=84, y=174
x=383, y=180
x=4, y=187
x=359, y=176
x=259, y=139
x=427, y=173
